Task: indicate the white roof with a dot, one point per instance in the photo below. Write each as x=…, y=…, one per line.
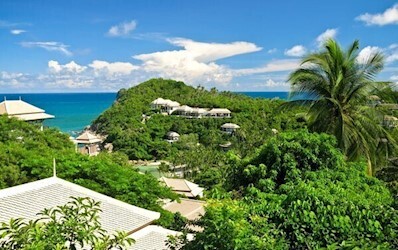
x=199, y=110
x=230, y=125
x=159, y=101
x=189, y=208
x=182, y=186
x=172, y=103
x=173, y=134
x=220, y=111
x=184, y=108
x=23, y=110
x=87, y=138
x=26, y=200
x=151, y=238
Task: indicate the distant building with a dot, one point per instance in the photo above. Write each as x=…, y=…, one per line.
x=172, y=107
x=26, y=200
x=165, y=105
x=229, y=127
x=219, y=113
x=172, y=136
x=88, y=143
x=184, y=187
x=23, y=111
x=390, y=121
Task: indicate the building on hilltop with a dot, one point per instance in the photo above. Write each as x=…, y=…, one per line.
x=23, y=111
x=27, y=200
x=164, y=105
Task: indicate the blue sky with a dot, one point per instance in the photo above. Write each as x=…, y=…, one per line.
x=102, y=46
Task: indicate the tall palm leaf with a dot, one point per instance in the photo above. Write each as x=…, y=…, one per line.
x=341, y=84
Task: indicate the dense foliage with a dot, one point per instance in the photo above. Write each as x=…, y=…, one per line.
x=297, y=192
x=143, y=137
x=26, y=154
x=74, y=225
x=341, y=83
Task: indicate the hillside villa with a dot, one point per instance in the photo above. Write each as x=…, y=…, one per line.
x=171, y=107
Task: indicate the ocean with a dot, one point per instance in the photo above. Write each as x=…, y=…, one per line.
x=74, y=111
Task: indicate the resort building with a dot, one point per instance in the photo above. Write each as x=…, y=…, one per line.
x=167, y=106
x=229, y=127
x=184, y=187
x=183, y=111
x=88, y=143
x=23, y=111
x=219, y=113
x=27, y=200
x=172, y=136
x=189, y=208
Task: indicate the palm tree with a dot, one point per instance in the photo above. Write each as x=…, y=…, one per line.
x=339, y=83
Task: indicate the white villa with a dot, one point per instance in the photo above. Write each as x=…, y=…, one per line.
x=165, y=105
x=172, y=107
x=23, y=111
x=26, y=200
x=229, y=127
x=219, y=113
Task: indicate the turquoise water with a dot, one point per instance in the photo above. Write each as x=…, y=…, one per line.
x=74, y=111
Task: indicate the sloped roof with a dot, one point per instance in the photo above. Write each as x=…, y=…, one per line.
x=151, y=238
x=220, y=111
x=87, y=138
x=23, y=110
x=159, y=101
x=184, y=108
x=26, y=200
x=182, y=186
x=190, y=209
x=173, y=134
x=230, y=125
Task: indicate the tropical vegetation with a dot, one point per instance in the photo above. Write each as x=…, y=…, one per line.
x=74, y=225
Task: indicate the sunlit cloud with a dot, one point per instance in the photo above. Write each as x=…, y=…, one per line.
x=389, y=16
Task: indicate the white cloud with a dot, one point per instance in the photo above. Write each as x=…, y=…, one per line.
x=17, y=31
x=389, y=16
x=322, y=38
x=298, y=50
x=71, y=67
x=394, y=78
x=115, y=68
x=50, y=46
x=273, y=50
x=274, y=66
x=122, y=29
x=366, y=53
x=195, y=63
